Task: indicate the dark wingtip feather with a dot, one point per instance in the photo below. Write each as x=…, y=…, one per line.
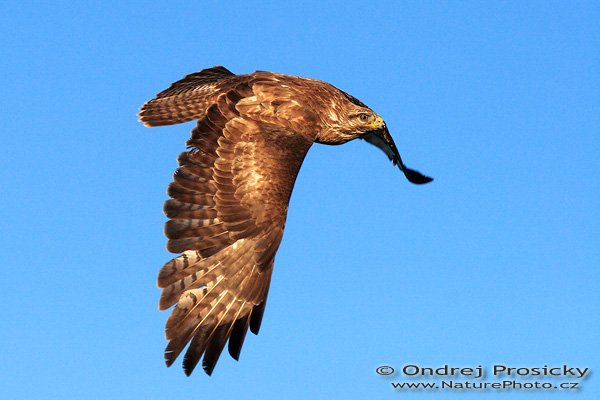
x=189, y=364
x=196, y=349
x=256, y=317
x=238, y=334
x=214, y=349
x=168, y=361
x=415, y=176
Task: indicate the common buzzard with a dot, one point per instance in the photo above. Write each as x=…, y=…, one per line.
x=230, y=194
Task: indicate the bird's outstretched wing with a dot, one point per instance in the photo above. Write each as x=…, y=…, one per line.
x=227, y=211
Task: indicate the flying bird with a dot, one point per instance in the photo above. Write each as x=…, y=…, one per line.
x=229, y=197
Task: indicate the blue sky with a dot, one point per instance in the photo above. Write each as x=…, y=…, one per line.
x=495, y=262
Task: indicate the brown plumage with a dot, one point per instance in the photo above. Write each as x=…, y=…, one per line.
x=230, y=194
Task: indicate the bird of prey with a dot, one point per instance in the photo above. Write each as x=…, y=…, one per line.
x=229, y=197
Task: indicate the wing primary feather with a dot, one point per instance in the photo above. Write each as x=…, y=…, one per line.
x=216, y=339
x=201, y=335
x=257, y=316
x=214, y=349
x=238, y=334
x=195, y=351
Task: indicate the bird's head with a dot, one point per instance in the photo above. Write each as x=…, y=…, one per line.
x=355, y=120
x=362, y=121
x=349, y=122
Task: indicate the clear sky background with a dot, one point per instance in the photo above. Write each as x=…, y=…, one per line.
x=494, y=262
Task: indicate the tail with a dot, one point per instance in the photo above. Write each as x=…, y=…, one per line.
x=186, y=99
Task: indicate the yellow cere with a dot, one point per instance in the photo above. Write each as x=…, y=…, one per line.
x=377, y=123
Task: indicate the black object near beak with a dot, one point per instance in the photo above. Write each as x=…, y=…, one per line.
x=382, y=139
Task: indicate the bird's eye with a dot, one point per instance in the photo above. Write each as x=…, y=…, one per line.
x=363, y=117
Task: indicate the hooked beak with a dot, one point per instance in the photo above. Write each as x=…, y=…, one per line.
x=382, y=139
